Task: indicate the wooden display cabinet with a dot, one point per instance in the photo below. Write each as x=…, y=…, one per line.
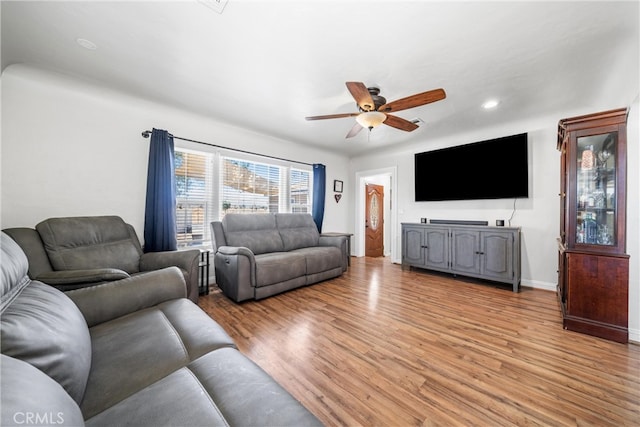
x=593, y=268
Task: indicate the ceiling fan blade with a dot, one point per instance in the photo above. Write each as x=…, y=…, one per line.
x=332, y=116
x=414, y=100
x=354, y=130
x=400, y=123
x=361, y=94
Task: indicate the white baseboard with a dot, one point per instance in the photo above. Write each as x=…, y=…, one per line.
x=547, y=286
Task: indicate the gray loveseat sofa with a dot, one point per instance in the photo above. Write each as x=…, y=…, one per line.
x=74, y=252
x=260, y=255
x=131, y=352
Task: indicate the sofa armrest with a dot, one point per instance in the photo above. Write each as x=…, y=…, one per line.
x=235, y=272
x=108, y=301
x=77, y=277
x=185, y=260
x=236, y=250
x=157, y=260
x=339, y=242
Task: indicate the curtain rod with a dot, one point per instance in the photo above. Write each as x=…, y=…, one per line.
x=147, y=134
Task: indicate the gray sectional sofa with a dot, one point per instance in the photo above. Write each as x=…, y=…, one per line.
x=131, y=352
x=260, y=255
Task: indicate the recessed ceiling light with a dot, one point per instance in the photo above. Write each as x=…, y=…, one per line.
x=492, y=103
x=87, y=44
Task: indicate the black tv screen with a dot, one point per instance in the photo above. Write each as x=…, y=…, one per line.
x=492, y=169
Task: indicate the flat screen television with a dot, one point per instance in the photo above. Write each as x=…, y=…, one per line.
x=492, y=169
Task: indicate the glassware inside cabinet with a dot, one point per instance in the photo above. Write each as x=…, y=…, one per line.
x=596, y=189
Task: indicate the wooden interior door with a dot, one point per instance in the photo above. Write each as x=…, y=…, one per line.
x=374, y=221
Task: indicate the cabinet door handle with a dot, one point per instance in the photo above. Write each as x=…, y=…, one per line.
x=479, y=253
x=424, y=246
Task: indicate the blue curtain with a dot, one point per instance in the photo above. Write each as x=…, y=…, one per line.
x=160, y=211
x=319, y=185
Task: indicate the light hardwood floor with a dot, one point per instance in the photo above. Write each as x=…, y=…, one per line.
x=380, y=346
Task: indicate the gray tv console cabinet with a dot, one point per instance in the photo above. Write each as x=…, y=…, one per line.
x=484, y=252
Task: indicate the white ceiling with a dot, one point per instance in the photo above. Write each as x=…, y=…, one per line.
x=265, y=65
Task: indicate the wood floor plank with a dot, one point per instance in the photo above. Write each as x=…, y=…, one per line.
x=383, y=346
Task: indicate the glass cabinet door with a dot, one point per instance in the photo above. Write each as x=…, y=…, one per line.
x=596, y=189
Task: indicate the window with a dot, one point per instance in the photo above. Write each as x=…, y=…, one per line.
x=249, y=187
x=300, y=191
x=241, y=186
x=193, y=205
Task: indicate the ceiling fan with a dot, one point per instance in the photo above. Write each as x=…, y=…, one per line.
x=374, y=108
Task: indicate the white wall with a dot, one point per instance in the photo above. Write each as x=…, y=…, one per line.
x=73, y=148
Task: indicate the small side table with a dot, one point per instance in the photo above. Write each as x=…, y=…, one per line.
x=348, y=236
x=203, y=273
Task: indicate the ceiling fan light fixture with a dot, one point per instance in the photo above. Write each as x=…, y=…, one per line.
x=371, y=119
x=490, y=104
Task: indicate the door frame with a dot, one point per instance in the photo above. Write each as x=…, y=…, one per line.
x=391, y=220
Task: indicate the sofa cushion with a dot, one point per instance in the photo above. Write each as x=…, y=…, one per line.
x=254, y=231
x=221, y=388
x=321, y=258
x=297, y=230
x=29, y=397
x=279, y=267
x=80, y=243
x=124, y=361
x=42, y=326
x=245, y=394
x=178, y=399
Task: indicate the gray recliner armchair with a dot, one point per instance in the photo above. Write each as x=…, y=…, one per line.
x=76, y=252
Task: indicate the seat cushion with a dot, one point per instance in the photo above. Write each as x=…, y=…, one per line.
x=245, y=394
x=254, y=231
x=137, y=350
x=279, y=267
x=178, y=399
x=220, y=388
x=82, y=243
x=321, y=258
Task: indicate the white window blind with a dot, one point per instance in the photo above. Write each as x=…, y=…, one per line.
x=300, y=191
x=193, y=197
x=249, y=187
